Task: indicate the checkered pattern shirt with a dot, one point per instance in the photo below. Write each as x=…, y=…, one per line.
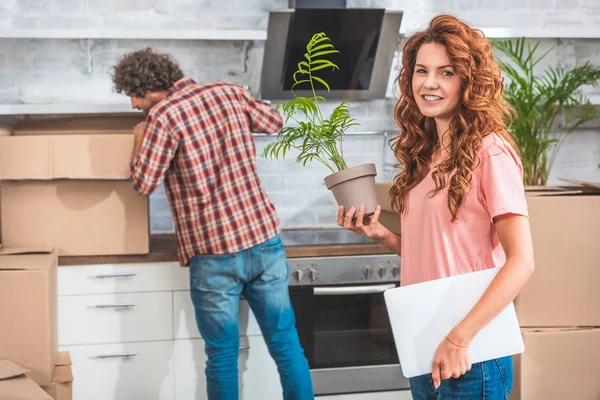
x=198, y=139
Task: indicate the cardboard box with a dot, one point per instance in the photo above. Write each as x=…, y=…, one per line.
x=78, y=125
x=561, y=364
x=28, y=310
x=61, y=387
x=16, y=385
x=388, y=217
x=565, y=226
x=72, y=192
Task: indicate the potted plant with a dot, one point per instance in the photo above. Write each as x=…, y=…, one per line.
x=319, y=138
x=538, y=101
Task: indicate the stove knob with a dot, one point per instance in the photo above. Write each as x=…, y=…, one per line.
x=381, y=272
x=312, y=273
x=367, y=272
x=395, y=272
x=299, y=274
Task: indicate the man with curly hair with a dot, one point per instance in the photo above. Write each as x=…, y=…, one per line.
x=197, y=139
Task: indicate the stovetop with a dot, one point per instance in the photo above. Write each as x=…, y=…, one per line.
x=313, y=237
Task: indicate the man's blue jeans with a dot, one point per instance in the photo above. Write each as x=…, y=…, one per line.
x=261, y=274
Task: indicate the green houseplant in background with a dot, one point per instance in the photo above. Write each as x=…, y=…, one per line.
x=539, y=100
x=317, y=138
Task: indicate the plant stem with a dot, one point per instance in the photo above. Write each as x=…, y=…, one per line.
x=312, y=87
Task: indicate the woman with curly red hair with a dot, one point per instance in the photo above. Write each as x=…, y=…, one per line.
x=460, y=194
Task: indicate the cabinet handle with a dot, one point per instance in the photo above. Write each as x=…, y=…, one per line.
x=244, y=348
x=351, y=290
x=116, y=305
x=117, y=355
x=116, y=275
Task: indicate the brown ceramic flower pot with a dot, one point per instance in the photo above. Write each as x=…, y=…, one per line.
x=354, y=186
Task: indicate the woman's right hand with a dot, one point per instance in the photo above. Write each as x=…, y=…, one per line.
x=366, y=226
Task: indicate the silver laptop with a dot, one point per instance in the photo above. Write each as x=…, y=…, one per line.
x=422, y=314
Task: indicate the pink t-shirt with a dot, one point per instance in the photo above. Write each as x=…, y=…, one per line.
x=433, y=247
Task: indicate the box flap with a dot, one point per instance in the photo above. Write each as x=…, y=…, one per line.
x=9, y=369
x=12, y=251
x=27, y=261
x=78, y=125
x=63, y=358
x=586, y=184
x=551, y=330
x=17, y=386
x=62, y=373
x=65, y=157
x=559, y=192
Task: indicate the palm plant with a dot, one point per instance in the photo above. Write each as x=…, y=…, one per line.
x=539, y=100
x=316, y=137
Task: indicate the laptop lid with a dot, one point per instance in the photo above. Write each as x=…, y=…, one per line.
x=422, y=314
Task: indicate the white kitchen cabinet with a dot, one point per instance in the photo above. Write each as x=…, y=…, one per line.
x=181, y=278
x=258, y=373
x=115, y=318
x=184, y=318
x=258, y=377
x=395, y=395
x=115, y=278
x=123, y=371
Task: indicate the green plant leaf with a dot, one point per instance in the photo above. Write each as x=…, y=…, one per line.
x=316, y=78
x=539, y=101
x=316, y=138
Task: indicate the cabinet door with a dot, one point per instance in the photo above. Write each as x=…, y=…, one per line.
x=258, y=377
x=190, y=361
x=123, y=371
x=258, y=374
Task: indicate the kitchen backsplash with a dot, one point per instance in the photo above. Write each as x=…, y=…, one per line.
x=77, y=70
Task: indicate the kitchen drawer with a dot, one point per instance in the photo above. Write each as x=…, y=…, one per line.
x=258, y=377
x=115, y=318
x=123, y=371
x=185, y=319
x=396, y=395
x=110, y=278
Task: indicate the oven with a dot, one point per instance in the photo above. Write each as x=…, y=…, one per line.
x=343, y=324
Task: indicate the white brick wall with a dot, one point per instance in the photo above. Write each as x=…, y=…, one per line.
x=78, y=69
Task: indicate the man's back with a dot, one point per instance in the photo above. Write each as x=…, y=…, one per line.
x=201, y=142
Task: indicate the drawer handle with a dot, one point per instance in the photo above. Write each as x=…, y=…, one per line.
x=244, y=348
x=116, y=275
x=116, y=305
x=117, y=355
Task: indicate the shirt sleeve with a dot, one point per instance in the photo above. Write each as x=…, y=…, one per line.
x=262, y=117
x=502, y=187
x=158, y=149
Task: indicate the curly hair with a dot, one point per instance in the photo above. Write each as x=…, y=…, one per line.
x=481, y=111
x=145, y=71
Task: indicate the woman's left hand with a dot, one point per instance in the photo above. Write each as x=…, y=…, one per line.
x=451, y=361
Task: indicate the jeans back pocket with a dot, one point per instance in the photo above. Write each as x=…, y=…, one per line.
x=274, y=260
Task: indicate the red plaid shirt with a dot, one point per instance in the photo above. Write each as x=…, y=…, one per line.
x=198, y=139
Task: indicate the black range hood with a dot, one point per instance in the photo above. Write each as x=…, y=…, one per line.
x=366, y=38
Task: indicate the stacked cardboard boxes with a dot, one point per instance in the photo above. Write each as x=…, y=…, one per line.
x=65, y=184
x=64, y=191
x=558, y=308
x=61, y=385
x=28, y=338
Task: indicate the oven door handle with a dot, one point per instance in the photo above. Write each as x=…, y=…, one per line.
x=349, y=290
